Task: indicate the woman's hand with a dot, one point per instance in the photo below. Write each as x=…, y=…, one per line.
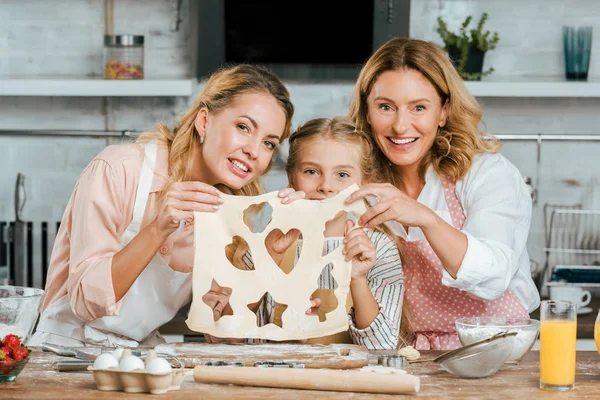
x=217, y=298
x=359, y=249
x=289, y=195
x=278, y=242
x=182, y=200
x=392, y=205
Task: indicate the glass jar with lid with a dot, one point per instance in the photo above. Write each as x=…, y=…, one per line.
x=123, y=57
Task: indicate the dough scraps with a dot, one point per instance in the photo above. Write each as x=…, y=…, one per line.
x=410, y=353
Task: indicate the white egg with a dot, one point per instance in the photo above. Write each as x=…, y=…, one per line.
x=150, y=355
x=118, y=352
x=105, y=361
x=130, y=363
x=159, y=366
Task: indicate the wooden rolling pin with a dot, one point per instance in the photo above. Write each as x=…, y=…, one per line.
x=311, y=379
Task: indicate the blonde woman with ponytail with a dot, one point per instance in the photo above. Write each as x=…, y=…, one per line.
x=462, y=210
x=122, y=261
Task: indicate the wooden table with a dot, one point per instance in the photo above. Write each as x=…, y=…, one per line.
x=40, y=381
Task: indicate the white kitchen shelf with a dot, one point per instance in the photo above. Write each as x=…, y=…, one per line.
x=496, y=87
x=534, y=88
x=543, y=86
x=96, y=87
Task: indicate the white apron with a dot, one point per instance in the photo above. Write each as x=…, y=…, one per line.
x=154, y=298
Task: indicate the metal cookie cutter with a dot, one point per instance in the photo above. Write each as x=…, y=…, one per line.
x=223, y=364
x=277, y=364
x=392, y=361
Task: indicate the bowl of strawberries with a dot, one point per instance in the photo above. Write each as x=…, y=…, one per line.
x=13, y=357
x=19, y=312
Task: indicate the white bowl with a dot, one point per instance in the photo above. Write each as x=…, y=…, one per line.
x=473, y=329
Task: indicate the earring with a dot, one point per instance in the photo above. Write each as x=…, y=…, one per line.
x=201, y=139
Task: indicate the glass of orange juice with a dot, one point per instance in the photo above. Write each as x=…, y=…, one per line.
x=558, y=337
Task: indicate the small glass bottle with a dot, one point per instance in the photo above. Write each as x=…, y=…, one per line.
x=123, y=57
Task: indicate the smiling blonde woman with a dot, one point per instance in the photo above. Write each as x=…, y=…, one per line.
x=462, y=209
x=122, y=261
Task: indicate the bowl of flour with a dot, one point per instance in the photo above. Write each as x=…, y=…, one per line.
x=473, y=329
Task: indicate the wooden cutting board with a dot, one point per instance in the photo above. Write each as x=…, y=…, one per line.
x=333, y=356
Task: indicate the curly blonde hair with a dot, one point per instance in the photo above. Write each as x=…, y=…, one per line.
x=457, y=142
x=219, y=92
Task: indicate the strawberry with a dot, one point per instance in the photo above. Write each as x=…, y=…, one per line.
x=6, y=366
x=7, y=351
x=20, y=353
x=11, y=341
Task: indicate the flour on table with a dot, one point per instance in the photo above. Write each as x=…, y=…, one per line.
x=380, y=369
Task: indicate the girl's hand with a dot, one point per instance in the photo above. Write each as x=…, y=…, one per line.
x=360, y=249
x=392, y=205
x=276, y=241
x=182, y=199
x=314, y=307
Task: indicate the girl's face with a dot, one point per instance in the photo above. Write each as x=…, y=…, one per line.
x=239, y=140
x=326, y=167
x=405, y=113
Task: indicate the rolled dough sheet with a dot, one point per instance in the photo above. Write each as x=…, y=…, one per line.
x=214, y=231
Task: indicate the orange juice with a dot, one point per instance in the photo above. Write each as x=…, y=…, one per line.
x=597, y=336
x=557, y=352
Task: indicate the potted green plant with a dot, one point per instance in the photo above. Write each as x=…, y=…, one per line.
x=467, y=48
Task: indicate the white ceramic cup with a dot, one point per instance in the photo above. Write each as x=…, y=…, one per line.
x=571, y=293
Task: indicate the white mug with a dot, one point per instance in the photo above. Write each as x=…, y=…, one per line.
x=571, y=293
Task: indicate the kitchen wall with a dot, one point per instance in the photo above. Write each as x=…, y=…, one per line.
x=52, y=38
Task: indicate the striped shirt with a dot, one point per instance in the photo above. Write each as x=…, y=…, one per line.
x=385, y=280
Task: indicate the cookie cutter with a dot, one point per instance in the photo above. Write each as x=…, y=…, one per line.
x=277, y=364
x=223, y=364
x=392, y=361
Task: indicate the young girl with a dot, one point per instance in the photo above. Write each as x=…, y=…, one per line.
x=325, y=157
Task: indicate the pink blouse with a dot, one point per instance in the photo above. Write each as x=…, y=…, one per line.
x=98, y=212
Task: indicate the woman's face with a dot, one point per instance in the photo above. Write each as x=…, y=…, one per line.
x=239, y=140
x=326, y=167
x=405, y=113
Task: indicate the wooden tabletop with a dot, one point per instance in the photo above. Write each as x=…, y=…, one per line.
x=40, y=381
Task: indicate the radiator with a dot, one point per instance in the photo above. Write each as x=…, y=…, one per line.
x=24, y=261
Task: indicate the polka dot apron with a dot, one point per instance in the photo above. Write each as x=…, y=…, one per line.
x=434, y=307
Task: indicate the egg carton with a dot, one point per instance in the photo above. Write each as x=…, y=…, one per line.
x=138, y=381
